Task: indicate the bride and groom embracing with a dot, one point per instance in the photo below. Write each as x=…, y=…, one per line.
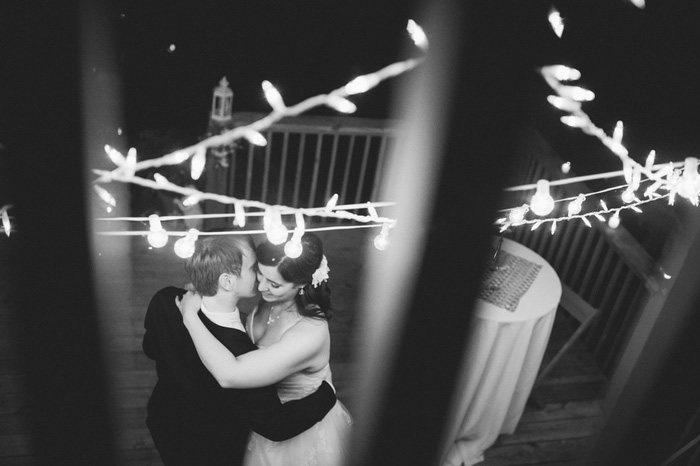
x=260, y=395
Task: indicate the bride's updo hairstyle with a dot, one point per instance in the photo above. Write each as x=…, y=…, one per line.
x=313, y=301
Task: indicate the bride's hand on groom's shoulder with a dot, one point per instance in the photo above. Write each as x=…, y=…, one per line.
x=189, y=304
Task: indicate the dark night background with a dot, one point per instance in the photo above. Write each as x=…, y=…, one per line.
x=638, y=62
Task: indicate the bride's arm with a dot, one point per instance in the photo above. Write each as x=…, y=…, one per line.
x=262, y=367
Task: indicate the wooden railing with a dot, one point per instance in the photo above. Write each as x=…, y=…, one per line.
x=605, y=267
x=306, y=161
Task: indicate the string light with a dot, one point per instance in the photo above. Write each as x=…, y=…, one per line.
x=191, y=200
x=294, y=248
x=330, y=205
x=556, y=21
x=617, y=132
x=114, y=155
x=372, y=211
x=575, y=206
x=157, y=237
x=567, y=96
x=341, y=104
x=161, y=180
x=575, y=121
x=198, y=161
x=563, y=103
x=276, y=232
x=614, y=221
x=517, y=215
x=382, y=241
x=417, y=35
x=130, y=162
x=689, y=183
x=576, y=93
x=105, y=196
x=6, y=219
x=273, y=97
x=254, y=137
x=542, y=202
x=184, y=247
x=650, y=160
x=560, y=72
x=335, y=99
x=628, y=195
x=240, y=215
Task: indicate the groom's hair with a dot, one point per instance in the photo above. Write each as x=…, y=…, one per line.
x=214, y=255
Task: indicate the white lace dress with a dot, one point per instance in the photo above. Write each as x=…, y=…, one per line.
x=324, y=444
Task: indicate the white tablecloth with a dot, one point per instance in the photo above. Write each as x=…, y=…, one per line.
x=502, y=359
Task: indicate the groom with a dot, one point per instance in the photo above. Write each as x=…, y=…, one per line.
x=192, y=419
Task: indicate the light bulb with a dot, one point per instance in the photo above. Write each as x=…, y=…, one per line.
x=114, y=155
x=330, y=205
x=566, y=167
x=562, y=103
x=198, y=161
x=372, y=211
x=617, y=132
x=340, y=104
x=191, y=200
x=576, y=205
x=240, y=215
x=627, y=195
x=688, y=186
x=361, y=84
x=273, y=97
x=254, y=137
x=157, y=237
x=556, y=21
x=105, y=195
x=382, y=242
x=184, y=247
x=650, y=160
x=517, y=215
x=160, y=179
x=417, y=35
x=6, y=222
x=575, y=121
x=277, y=233
x=614, y=221
x=542, y=203
x=293, y=248
x=561, y=72
x=576, y=93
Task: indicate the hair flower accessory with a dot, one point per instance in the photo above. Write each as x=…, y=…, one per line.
x=321, y=273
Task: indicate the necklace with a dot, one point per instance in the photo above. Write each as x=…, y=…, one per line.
x=270, y=320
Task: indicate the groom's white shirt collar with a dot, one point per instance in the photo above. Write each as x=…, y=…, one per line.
x=225, y=319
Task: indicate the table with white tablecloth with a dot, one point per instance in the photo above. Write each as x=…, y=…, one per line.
x=510, y=328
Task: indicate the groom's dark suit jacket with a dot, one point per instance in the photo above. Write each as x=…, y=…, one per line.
x=192, y=419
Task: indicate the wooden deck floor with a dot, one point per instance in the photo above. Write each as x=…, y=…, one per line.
x=556, y=430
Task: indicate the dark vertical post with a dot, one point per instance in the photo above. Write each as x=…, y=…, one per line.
x=474, y=55
x=57, y=316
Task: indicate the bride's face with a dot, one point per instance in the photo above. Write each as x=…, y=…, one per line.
x=273, y=287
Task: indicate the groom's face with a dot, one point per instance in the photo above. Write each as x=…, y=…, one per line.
x=247, y=286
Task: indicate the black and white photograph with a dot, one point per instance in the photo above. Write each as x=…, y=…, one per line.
x=348, y=233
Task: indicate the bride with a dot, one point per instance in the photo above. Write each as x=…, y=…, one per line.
x=290, y=327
